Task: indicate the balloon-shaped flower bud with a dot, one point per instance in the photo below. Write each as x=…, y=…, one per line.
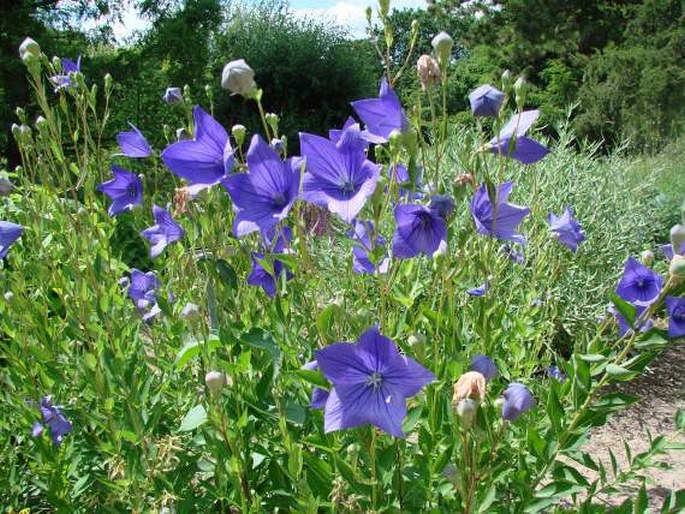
x=517, y=400
x=466, y=410
x=428, y=71
x=520, y=92
x=172, y=95
x=272, y=121
x=442, y=44
x=507, y=81
x=369, y=13
x=647, y=257
x=677, y=236
x=6, y=186
x=29, y=47
x=108, y=82
x=238, y=78
x=239, y=132
x=41, y=123
x=384, y=7
x=677, y=267
x=470, y=385
x=215, y=381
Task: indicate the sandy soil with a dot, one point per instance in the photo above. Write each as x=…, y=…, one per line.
x=662, y=392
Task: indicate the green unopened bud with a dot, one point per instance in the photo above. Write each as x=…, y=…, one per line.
x=186, y=93
x=415, y=26
x=647, y=257
x=499, y=403
x=507, y=81
x=216, y=380
x=677, y=267
x=466, y=410
x=57, y=63
x=384, y=7
x=21, y=114
x=369, y=13
x=29, y=47
x=272, y=121
x=41, y=123
x=520, y=92
x=239, y=132
x=442, y=44
x=16, y=132
x=32, y=63
x=677, y=237
x=395, y=141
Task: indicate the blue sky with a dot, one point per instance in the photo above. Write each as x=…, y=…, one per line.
x=347, y=13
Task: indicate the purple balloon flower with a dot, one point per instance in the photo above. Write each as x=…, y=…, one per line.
x=371, y=382
x=382, y=115
x=668, y=252
x=486, y=101
x=676, y=316
x=141, y=290
x=63, y=81
x=265, y=195
x=485, y=366
x=54, y=419
x=556, y=373
x=275, y=242
x=125, y=190
x=566, y=229
x=338, y=175
x=172, y=95
x=133, y=143
x=362, y=138
x=9, y=233
x=164, y=232
x=639, y=285
x=419, y=230
x=517, y=400
x=480, y=290
x=512, y=142
x=205, y=160
x=363, y=235
x=442, y=205
x=319, y=395
x=502, y=223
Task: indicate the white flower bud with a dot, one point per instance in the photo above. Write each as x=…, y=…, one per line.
x=442, y=44
x=677, y=237
x=41, y=123
x=216, y=380
x=647, y=257
x=239, y=132
x=190, y=311
x=8, y=296
x=238, y=78
x=466, y=410
x=29, y=47
x=677, y=267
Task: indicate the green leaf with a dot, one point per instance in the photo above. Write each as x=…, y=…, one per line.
x=192, y=350
x=680, y=420
x=196, y=417
x=263, y=340
x=227, y=274
x=627, y=310
x=592, y=357
x=619, y=373
x=641, y=504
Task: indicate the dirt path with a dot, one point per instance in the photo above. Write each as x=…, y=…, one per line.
x=662, y=392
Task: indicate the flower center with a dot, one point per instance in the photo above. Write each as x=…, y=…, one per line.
x=423, y=220
x=132, y=191
x=347, y=187
x=374, y=380
x=279, y=200
x=640, y=282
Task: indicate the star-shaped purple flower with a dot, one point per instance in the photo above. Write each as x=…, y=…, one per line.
x=639, y=285
x=668, y=252
x=63, y=81
x=133, y=143
x=9, y=233
x=480, y=290
x=484, y=365
x=371, y=382
x=125, y=190
x=517, y=400
x=338, y=175
x=419, y=230
x=164, y=232
x=566, y=229
x=486, y=100
x=501, y=224
x=442, y=205
x=275, y=243
x=54, y=419
x=205, y=160
x=676, y=316
x=265, y=195
x=382, y=115
x=141, y=290
x=363, y=235
x=513, y=143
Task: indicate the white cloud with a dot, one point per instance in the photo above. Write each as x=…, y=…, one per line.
x=351, y=14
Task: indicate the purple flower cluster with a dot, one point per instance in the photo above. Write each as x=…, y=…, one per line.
x=142, y=290
x=63, y=80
